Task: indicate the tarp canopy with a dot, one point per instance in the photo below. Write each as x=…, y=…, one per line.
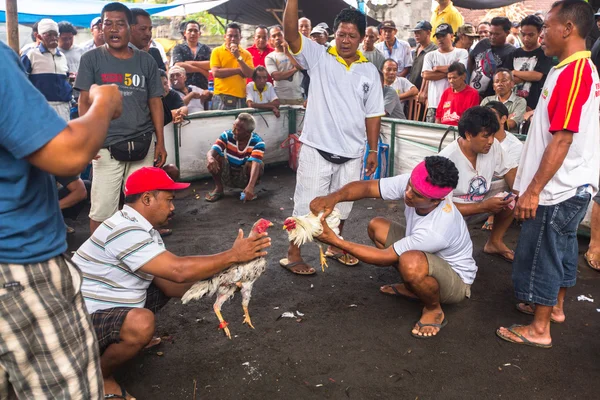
x=257, y=12
x=484, y=4
x=185, y=7
x=79, y=13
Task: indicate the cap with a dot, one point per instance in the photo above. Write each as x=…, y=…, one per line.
x=443, y=29
x=422, y=26
x=597, y=14
x=319, y=29
x=47, y=25
x=468, y=30
x=177, y=69
x=324, y=25
x=147, y=179
x=95, y=22
x=389, y=24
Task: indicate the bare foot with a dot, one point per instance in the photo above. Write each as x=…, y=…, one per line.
x=112, y=387
x=397, y=289
x=528, y=333
x=428, y=318
x=557, y=316
x=499, y=249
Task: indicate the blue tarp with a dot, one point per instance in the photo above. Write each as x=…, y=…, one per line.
x=80, y=13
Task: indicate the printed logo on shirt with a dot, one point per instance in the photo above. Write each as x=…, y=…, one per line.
x=545, y=93
x=366, y=88
x=597, y=89
x=447, y=104
x=125, y=81
x=478, y=187
x=447, y=208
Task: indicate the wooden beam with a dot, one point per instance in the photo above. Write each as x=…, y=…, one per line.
x=12, y=25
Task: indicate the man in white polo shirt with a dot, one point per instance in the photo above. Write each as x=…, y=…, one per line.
x=128, y=275
x=557, y=174
x=346, y=100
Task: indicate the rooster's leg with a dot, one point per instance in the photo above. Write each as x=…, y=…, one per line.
x=217, y=308
x=322, y=258
x=246, y=294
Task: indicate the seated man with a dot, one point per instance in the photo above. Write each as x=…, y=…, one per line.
x=403, y=87
x=457, y=98
x=510, y=144
x=193, y=96
x=173, y=107
x=503, y=87
x=236, y=159
x=434, y=256
x=72, y=195
x=392, y=104
x=479, y=157
x=128, y=275
x=261, y=94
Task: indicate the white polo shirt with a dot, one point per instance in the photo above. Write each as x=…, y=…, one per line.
x=111, y=258
x=267, y=95
x=341, y=97
x=442, y=232
x=569, y=102
x=400, y=53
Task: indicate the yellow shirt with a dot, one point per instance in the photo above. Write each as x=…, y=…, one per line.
x=234, y=85
x=449, y=15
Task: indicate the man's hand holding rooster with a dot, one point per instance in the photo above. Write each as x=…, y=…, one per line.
x=325, y=204
x=328, y=236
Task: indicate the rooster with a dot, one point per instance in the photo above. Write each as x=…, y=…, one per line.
x=304, y=229
x=225, y=283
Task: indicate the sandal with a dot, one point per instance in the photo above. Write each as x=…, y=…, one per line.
x=502, y=255
x=522, y=307
x=122, y=396
x=213, y=196
x=397, y=293
x=487, y=226
x=154, y=342
x=524, y=340
x=343, y=258
x=591, y=259
x=422, y=325
x=284, y=263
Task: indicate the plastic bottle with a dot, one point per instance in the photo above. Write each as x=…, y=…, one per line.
x=211, y=89
x=242, y=196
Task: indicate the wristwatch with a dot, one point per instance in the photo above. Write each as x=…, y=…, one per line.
x=240, y=58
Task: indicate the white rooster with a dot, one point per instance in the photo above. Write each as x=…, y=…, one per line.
x=304, y=229
x=225, y=283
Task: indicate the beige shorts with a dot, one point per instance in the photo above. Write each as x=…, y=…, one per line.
x=109, y=179
x=452, y=288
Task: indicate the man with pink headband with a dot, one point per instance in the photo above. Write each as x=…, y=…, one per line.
x=435, y=254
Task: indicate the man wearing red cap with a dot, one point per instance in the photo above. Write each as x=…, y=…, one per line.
x=434, y=255
x=129, y=275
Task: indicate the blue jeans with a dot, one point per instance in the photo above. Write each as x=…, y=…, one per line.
x=547, y=251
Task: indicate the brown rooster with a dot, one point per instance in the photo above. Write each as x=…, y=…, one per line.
x=224, y=284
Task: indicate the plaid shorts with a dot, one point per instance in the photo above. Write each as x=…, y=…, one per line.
x=238, y=178
x=107, y=323
x=48, y=348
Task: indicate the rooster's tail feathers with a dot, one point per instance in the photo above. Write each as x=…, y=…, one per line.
x=199, y=290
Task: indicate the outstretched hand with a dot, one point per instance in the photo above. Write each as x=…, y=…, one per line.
x=247, y=249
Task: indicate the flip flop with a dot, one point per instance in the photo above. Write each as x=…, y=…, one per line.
x=154, y=342
x=526, y=311
x=422, y=325
x=339, y=256
x=165, y=232
x=213, y=196
x=284, y=263
x=502, y=256
x=591, y=259
x=122, y=396
x=397, y=293
x=487, y=226
x=524, y=341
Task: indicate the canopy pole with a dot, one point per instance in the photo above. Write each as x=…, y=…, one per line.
x=12, y=25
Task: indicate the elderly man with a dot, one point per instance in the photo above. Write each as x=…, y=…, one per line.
x=173, y=106
x=403, y=87
x=433, y=254
x=304, y=26
x=260, y=49
x=97, y=39
x=48, y=69
x=333, y=138
x=456, y=99
x=479, y=158
x=422, y=34
x=141, y=274
x=230, y=65
x=260, y=94
x=395, y=48
x=193, y=97
x=66, y=34
x=446, y=13
x=489, y=55
x=193, y=56
x=236, y=160
x=130, y=142
x=319, y=35
x=465, y=37
x=368, y=47
x=284, y=70
x=503, y=87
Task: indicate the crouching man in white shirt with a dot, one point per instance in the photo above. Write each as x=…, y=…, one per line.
x=435, y=254
x=479, y=158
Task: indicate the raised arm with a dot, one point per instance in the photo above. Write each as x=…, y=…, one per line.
x=290, y=26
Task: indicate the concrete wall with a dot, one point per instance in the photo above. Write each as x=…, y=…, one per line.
x=405, y=13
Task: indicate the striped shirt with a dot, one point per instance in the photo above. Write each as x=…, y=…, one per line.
x=227, y=146
x=48, y=72
x=110, y=261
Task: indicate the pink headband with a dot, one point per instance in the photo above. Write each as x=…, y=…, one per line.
x=419, y=179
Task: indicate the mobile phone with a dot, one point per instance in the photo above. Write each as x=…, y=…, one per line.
x=507, y=196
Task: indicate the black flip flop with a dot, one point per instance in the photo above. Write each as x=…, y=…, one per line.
x=422, y=325
x=525, y=341
x=122, y=396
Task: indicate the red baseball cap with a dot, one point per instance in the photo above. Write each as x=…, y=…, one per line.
x=147, y=179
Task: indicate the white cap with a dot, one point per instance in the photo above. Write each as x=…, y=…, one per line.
x=46, y=25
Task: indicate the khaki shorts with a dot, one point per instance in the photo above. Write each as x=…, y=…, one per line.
x=452, y=288
x=109, y=179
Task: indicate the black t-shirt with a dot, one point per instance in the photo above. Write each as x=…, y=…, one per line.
x=537, y=61
x=596, y=54
x=486, y=60
x=171, y=101
x=155, y=53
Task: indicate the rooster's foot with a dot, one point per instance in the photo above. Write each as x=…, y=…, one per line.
x=247, y=319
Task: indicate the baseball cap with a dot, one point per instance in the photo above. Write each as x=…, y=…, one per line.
x=422, y=26
x=325, y=26
x=468, y=30
x=443, y=29
x=95, y=22
x=389, y=24
x=319, y=29
x=597, y=14
x=147, y=179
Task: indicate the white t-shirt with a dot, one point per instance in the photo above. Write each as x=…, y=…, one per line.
x=286, y=89
x=442, y=232
x=341, y=98
x=474, y=183
x=111, y=258
x=401, y=85
x=512, y=148
x=266, y=96
x=438, y=59
x=400, y=52
x=569, y=102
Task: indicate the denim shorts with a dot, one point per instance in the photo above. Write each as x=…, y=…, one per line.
x=547, y=251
